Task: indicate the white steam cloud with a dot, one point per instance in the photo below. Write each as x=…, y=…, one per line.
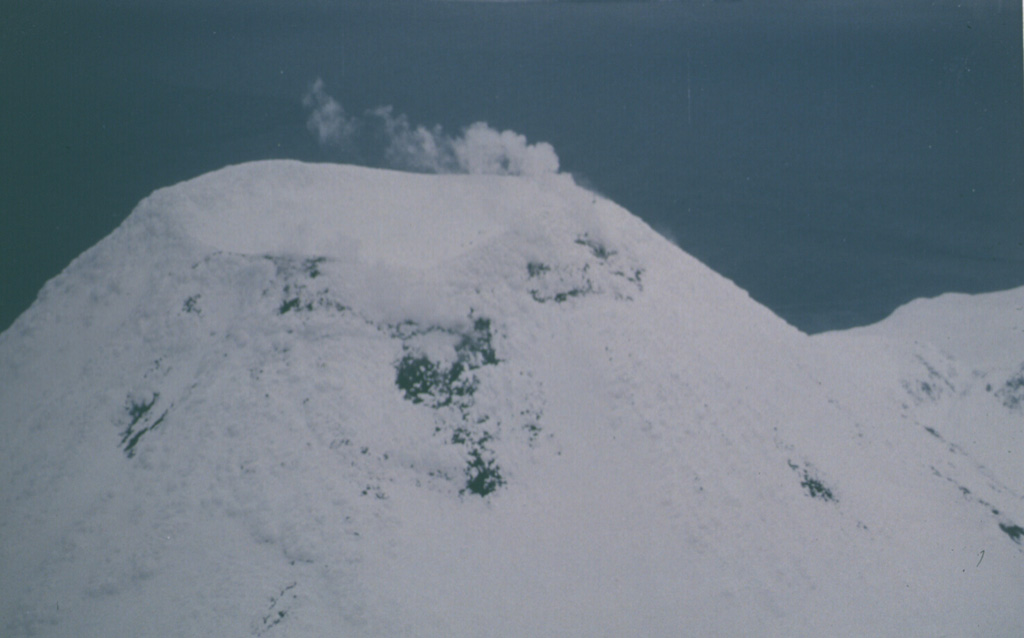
x=480, y=149
x=327, y=118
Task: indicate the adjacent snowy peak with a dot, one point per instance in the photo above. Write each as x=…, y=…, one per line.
x=956, y=363
x=984, y=329
x=291, y=399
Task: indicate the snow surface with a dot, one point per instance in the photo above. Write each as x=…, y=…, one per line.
x=315, y=400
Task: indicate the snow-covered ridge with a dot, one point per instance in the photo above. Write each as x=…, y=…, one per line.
x=351, y=213
x=292, y=399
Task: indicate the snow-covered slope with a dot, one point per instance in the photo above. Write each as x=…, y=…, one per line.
x=954, y=365
x=306, y=400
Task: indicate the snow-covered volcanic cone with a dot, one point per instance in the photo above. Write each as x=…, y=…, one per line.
x=312, y=400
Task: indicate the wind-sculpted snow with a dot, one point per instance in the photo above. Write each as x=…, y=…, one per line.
x=288, y=399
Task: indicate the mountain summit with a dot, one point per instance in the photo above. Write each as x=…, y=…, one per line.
x=285, y=399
